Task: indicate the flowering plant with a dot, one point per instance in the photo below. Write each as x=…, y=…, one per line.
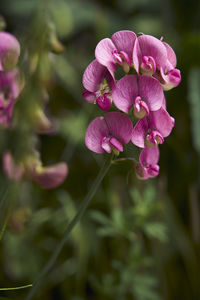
x=149, y=65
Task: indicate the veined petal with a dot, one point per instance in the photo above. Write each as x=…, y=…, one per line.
x=119, y=126
x=139, y=132
x=124, y=93
x=137, y=55
x=93, y=75
x=149, y=156
x=103, y=54
x=124, y=40
x=171, y=56
x=95, y=133
x=151, y=91
x=160, y=120
x=151, y=46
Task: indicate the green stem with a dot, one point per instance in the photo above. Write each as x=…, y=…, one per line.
x=70, y=227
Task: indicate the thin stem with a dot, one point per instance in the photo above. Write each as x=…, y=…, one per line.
x=16, y=288
x=70, y=227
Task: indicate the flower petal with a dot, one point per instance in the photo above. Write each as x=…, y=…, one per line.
x=9, y=51
x=119, y=126
x=125, y=92
x=160, y=120
x=149, y=156
x=150, y=91
x=151, y=46
x=139, y=132
x=50, y=177
x=93, y=75
x=171, y=56
x=96, y=131
x=104, y=56
x=124, y=40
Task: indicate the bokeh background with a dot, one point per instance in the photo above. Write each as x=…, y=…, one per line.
x=138, y=239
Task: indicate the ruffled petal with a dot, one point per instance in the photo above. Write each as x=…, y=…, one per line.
x=139, y=132
x=119, y=126
x=151, y=91
x=124, y=40
x=125, y=92
x=95, y=133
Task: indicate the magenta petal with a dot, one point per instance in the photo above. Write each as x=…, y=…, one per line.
x=137, y=55
x=149, y=156
x=93, y=75
x=124, y=40
x=89, y=97
x=9, y=51
x=10, y=83
x=139, y=132
x=161, y=121
x=50, y=177
x=115, y=143
x=124, y=93
x=104, y=102
x=96, y=131
x=103, y=53
x=151, y=46
x=171, y=56
x=119, y=126
x=151, y=91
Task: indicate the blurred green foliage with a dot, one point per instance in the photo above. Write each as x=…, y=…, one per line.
x=137, y=240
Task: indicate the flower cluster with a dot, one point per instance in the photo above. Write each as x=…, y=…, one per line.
x=30, y=165
x=10, y=85
x=149, y=65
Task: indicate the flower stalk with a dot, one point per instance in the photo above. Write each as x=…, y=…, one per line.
x=70, y=227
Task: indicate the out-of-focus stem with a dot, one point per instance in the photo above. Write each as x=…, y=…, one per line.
x=70, y=227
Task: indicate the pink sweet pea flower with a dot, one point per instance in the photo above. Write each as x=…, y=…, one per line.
x=10, y=88
x=9, y=51
x=98, y=84
x=116, y=51
x=168, y=75
x=148, y=166
x=142, y=93
x=109, y=133
x=149, y=54
x=51, y=176
x=151, y=130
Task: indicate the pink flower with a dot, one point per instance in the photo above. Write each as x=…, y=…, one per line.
x=116, y=51
x=142, y=93
x=168, y=75
x=46, y=177
x=98, y=84
x=10, y=88
x=109, y=133
x=149, y=54
x=9, y=51
x=51, y=176
x=151, y=130
x=148, y=166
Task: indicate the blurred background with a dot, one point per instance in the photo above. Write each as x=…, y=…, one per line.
x=138, y=239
